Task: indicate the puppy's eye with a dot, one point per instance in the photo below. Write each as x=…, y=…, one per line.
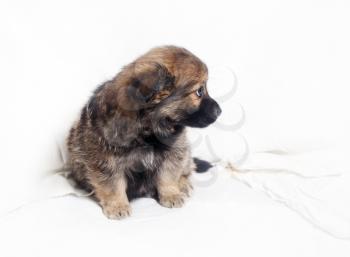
x=200, y=92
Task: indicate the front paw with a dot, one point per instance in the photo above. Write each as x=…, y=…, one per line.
x=172, y=200
x=116, y=211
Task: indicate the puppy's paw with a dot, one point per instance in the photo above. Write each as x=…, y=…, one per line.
x=116, y=211
x=172, y=200
x=185, y=186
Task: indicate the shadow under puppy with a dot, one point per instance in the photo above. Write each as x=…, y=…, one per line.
x=130, y=140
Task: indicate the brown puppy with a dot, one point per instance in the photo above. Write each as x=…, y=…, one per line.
x=130, y=139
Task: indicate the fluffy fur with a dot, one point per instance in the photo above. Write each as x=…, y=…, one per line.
x=130, y=139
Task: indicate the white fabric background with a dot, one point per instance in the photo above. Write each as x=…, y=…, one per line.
x=289, y=197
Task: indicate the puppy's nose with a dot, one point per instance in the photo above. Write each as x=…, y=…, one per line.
x=215, y=109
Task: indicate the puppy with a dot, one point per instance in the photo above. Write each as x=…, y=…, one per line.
x=130, y=140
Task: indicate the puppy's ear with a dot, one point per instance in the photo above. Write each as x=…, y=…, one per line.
x=102, y=102
x=93, y=108
x=147, y=80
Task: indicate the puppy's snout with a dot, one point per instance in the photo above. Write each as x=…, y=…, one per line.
x=214, y=109
x=208, y=112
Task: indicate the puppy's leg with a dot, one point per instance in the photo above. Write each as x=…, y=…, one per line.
x=173, y=182
x=184, y=181
x=112, y=197
x=169, y=192
x=185, y=185
x=168, y=188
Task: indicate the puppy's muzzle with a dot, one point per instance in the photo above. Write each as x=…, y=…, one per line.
x=208, y=112
x=212, y=108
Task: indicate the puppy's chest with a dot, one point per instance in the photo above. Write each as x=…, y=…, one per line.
x=145, y=159
x=150, y=155
x=149, y=159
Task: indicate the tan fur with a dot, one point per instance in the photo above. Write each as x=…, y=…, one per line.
x=113, y=198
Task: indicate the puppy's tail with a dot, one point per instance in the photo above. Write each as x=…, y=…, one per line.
x=201, y=165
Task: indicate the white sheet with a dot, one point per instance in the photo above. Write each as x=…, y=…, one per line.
x=224, y=218
x=319, y=193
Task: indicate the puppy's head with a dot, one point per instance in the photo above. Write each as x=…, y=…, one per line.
x=170, y=82
x=160, y=93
